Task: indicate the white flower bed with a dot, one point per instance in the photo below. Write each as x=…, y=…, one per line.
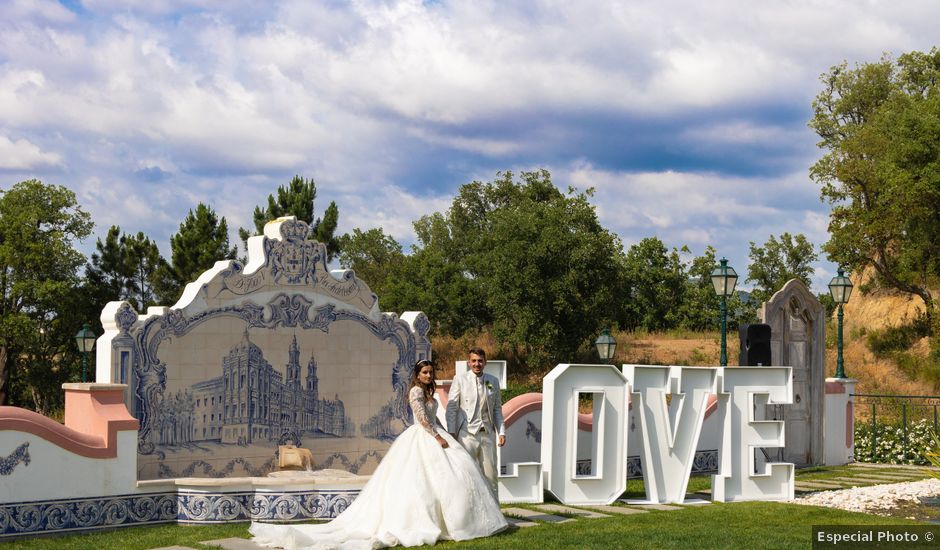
x=874, y=499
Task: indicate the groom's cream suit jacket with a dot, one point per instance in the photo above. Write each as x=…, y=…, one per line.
x=462, y=403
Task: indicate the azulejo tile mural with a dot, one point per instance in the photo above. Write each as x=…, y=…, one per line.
x=14, y=459
x=85, y=514
x=80, y=514
x=277, y=351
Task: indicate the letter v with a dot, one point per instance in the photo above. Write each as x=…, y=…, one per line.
x=669, y=434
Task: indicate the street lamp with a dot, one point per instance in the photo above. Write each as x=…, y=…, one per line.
x=724, y=278
x=840, y=287
x=85, y=340
x=606, y=345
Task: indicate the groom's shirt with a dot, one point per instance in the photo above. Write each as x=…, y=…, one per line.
x=483, y=405
x=475, y=422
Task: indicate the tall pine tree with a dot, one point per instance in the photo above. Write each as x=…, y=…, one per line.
x=201, y=241
x=125, y=267
x=297, y=199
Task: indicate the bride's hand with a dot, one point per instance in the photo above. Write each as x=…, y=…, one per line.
x=442, y=441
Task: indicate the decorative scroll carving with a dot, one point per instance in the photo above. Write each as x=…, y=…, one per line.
x=125, y=317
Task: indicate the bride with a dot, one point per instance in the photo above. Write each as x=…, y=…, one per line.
x=427, y=488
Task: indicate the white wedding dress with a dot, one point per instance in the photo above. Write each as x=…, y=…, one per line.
x=419, y=493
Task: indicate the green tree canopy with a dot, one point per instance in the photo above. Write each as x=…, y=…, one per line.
x=698, y=309
x=655, y=285
x=778, y=261
x=39, y=266
x=125, y=267
x=374, y=256
x=520, y=256
x=297, y=199
x=201, y=241
x=879, y=124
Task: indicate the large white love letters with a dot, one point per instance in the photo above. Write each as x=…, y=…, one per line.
x=745, y=390
x=561, y=392
x=670, y=431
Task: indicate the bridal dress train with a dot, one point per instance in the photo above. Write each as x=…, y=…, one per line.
x=419, y=493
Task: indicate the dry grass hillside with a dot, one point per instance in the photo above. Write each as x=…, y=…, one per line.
x=863, y=314
x=673, y=348
x=872, y=311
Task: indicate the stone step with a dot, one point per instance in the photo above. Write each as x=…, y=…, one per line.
x=234, y=543
x=580, y=512
x=873, y=465
x=534, y=515
x=902, y=477
x=644, y=505
x=623, y=510
x=817, y=485
x=520, y=523
x=884, y=480
x=851, y=481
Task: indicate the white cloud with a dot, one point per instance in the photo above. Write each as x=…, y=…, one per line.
x=390, y=208
x=390, y=105
x=489, y=147
x=23, y=155
x=45, y=11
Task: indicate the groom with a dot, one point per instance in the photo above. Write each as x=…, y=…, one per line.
x=475, y=415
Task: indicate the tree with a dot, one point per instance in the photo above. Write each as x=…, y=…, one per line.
x=879, y=124
x=375, y=257
x=655, y=285
x=38, y=279
x=297, y=199
x=522, y=257
x=146, y=262
x=777, y=262
x=125, y=267
x=698, y=309
x=201, y=241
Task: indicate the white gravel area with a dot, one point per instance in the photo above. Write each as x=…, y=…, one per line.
x=875, y=499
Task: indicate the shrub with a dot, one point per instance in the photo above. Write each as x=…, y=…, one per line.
x=900, y=338
x=889, y=443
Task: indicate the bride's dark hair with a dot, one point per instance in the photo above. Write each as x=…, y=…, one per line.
x=427, y=389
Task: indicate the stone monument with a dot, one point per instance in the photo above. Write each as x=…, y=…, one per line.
x=798, y=339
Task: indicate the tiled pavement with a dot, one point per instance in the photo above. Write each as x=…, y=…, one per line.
x=858, y=475
x=861, y=474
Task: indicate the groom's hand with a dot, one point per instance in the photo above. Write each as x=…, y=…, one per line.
x=502, y=440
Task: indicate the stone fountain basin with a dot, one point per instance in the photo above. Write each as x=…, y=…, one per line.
x=283, y=496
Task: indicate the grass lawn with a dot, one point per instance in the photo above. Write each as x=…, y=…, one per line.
x=821, y=473
x=735, y=525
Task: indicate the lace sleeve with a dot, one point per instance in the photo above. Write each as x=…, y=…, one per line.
x=416, y=400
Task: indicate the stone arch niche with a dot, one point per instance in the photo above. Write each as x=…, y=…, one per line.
x=278, y=351
x=798, y=339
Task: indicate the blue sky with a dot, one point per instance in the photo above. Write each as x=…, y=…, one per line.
x=688, y=118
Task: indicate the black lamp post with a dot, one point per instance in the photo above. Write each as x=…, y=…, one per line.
x=840, y=287
x=724, y=278
x=606, y=345
x=85, y=340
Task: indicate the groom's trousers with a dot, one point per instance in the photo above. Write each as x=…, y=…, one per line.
x=482, y=447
